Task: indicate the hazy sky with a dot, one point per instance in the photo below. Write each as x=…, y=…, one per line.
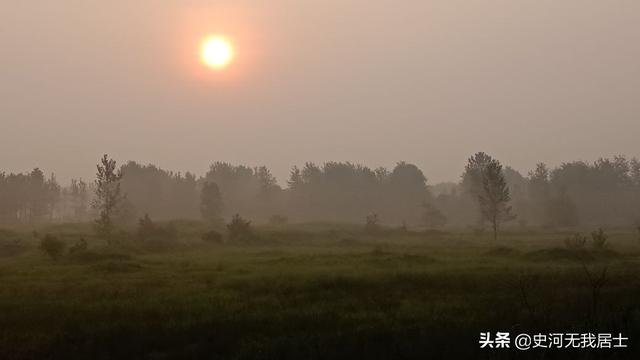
x=375, y=82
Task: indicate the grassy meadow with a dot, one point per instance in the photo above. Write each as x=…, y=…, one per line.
x=313, y=291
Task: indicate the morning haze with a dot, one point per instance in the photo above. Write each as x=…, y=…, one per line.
x=337, y=179
x=428, y=82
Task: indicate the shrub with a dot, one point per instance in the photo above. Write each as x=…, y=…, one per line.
x=372, y=224
x=599, y=239
x=146, y=228
x=239, y=229
x=80, y=246
x=278, y=220
x=51, y=246
x=150, y=232
x=212, y=237
x=576, y=242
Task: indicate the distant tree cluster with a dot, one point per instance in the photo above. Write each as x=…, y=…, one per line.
x=253, y=192
x=28, y=198
x=606, y=191
x=488, y=195
x=161, y=194
x=348, y=192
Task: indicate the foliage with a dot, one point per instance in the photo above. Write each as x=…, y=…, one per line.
x=78, y=194
x=28, y=198
x=164, y=195
x=153, y=234
x=210, y=201
x=486, y=181
x=246, y=190
x=52, y=246
x=605, y=191
x=108, y=196
x=599, y=239
x=239, y=229
x=473, y=178
x=338, y=191
x=432, y=217
x=562, y=210
x=372, y=224
x=576, y=242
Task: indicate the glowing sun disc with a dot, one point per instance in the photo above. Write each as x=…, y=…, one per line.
x=216, y=52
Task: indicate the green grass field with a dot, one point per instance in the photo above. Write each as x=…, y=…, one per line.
x=312, y=292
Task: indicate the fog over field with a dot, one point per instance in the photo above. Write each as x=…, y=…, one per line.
x=427, y=82
x=337, y=179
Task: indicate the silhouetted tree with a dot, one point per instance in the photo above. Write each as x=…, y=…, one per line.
x=250, y=191
x=494, y=197
x=295, y=179
x=406, y=191
x=473, y=182
x=539, y=193
x=210, y=201
x=108, y=196
x=162, y=194
x=79, y=196
x=473, y=178
x=432, y=217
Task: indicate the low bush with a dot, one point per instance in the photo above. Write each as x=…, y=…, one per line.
x=372, y=224
x=155, y=235
x=576, y=242
x=599, y=239
x=239, y=229
x=52, y=246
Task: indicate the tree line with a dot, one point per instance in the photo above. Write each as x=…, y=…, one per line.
x=488, y=194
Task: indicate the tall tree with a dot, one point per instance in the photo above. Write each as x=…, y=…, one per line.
x=108, y=196
x=494, y=197
x=79, y=194
x=472, y=184
x=53, y=191
x=210, y=201
x=36, y=195
x=539, y=193
x=472, y=179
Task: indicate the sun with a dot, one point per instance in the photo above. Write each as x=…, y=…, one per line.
x=216, y=52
